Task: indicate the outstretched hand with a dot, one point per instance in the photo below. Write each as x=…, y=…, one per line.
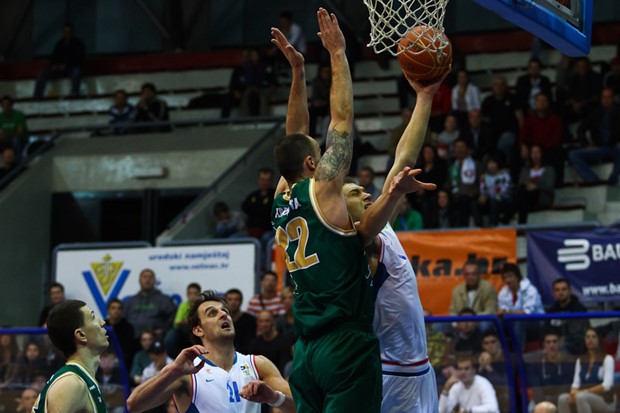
x=405, y=182
x=330, y=34
x=184, y=363
x=295, y=58
x=425, y=87
x=258, y=391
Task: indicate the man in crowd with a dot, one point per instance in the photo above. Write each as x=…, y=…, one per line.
x=150, y=308
x=572, y=330
x=474, y=293
x=151, y=109
x=268, y=298
x=269, y=342
x=245, y=323
x=467, y=392
x=56, y=293
x=257, y=205
x=120, y=113
x=123, y=330
x=26, y=401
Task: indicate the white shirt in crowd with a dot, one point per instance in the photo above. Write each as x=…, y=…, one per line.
x=478, y=398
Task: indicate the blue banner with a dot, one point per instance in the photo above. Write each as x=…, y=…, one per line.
x=589, y=260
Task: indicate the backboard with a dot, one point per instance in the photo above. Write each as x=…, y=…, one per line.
x=564, y=24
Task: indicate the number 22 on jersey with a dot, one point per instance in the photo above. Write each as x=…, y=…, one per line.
x=296, y=230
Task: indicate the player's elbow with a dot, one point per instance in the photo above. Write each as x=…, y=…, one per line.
x=133, y=405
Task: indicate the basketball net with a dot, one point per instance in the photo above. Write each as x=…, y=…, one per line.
x=390, y=20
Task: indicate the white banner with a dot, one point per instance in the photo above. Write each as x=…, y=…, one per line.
x=98, y=275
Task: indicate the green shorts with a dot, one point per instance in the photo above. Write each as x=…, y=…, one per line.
x=338, y=372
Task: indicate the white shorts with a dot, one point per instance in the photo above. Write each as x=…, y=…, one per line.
x=410, y=394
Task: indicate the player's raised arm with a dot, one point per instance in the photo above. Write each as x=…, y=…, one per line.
x=297, y=118
x=173, y=378
x=271, y=388
x=336, y=161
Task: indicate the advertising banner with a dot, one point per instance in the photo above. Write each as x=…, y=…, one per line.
x=589, y=260
x=98, y=275
x=438, y=258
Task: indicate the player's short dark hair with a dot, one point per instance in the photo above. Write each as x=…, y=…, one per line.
x=193, y=318
x=113, y=301
x=290, y=154
x=150, y=86
x=513, y=268
x=561, y=280
x=234, y=291
x=63, y=320
x=56, y=285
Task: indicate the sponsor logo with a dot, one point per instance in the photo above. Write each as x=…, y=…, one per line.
x=578, y=253
x=446, y=267
x=105, y=280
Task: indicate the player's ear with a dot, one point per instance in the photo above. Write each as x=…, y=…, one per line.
x=198, y=331
x=310, y=164
x=79, y=335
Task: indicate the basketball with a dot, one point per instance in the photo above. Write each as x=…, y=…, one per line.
x=424, y=55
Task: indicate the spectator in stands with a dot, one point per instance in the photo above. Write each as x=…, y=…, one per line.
x=67, y=60
x=436, y=345
x=8, y=161
x=284, y=323
x=151, y=109
x=319, y=101
x=592, y=388
x=465, y=96
x=56, y=294
x=544, y=128
x=518, y=295
x=536, y=185
x=257, y=206
x=599, y=134
x=573, y=330
x=492, y=366
x=464, y=175
x=245, y=323
x=448, y=136
x=434, y=170
x=123, y=330
x=407, y=219
x=545, y=407
x=467, y=392
x=530, y=85
x=440, y=108
x=26, y=400
x=612, y=79
x=30, y=364
x=466, y=337
x=366, y=179
x=228, y=224
x=253, y=83
x=500, y=111
x=13, y=128
x=548, y=374
x=121, y=113
x=293, y=32
x=177, y=338
x=268, y=298
x=109, y=374
x=141, y=359
x=235, y=86
x=9, y=354
x=583, y=91
x=478, y=136
x=150, y=308
x=269, y=343
x=496, y=193
x=159, y=360
x=442, y=215
x=563, y=70
x=474, y=293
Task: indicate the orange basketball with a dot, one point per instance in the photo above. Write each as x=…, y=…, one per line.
x=423, y=57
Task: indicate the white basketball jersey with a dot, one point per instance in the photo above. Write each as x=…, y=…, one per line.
x=399, y=318
x=215, y=390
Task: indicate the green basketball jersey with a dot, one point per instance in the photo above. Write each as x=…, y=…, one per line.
x=93, y=388
x=327, y=264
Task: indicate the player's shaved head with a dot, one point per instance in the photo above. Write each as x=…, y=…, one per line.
x=291, y=153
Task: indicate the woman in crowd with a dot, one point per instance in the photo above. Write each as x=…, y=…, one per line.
x=434, y=170
x=9, y=352
x=536, y=185
x=591, y=390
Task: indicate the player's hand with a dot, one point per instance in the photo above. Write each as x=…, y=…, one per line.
x=184, y=363
x=295, y=58
x=405, y=182
x=423, y=87
x=258, y=391
x=330, y=34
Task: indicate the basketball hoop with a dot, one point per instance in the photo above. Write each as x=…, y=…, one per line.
x=391, y=20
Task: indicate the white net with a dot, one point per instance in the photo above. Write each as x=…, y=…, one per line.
x=391, y=20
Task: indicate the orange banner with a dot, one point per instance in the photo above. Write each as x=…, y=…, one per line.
x=438, y=258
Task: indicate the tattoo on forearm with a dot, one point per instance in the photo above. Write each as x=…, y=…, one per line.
x=337, y=157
